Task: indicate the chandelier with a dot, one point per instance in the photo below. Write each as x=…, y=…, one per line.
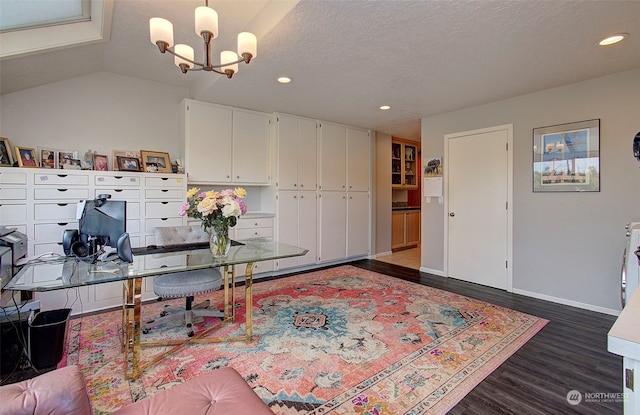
x=206, y=22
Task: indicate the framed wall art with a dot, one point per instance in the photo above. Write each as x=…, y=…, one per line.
x=155, y=161
x=566, y=157
x=128, y=163
x=6, y=158
x=26, y=157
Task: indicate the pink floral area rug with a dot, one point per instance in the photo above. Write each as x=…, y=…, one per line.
x=338, y=341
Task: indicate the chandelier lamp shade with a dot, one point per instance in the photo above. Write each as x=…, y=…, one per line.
x=206, y=25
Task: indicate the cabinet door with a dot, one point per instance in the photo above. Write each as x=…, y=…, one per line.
x=208, y=137
x=333, y=167
x=287, y=130
x=357, y=160
x=357, y=223
x=397, y=230
x=333, y=224
x=412, y=225
x=251, y=160
x=287, y=224
x=308, y=226
x=307, y=155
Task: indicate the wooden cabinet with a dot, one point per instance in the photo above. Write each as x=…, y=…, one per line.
x=224, y=145
x=405, y=228
x=297, y=153
x=405, y=171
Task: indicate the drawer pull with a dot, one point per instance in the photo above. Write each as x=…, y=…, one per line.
x=164, y=218
x=62, y=204
x=62, y=190
x=63, y=224
x=164, y=203
x=164, y=178
x=118, y=190
x=62, y=175
x=164, y=190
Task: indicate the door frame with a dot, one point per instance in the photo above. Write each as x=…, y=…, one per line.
x=509, y=155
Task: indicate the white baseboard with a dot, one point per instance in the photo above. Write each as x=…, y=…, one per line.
x=564, y=301
x=381, y=254
x=432, y=271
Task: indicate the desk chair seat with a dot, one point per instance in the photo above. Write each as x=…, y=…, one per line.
x=184, y=284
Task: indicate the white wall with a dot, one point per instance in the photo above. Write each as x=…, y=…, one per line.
x=567, y=247
x=102, y=112
x=382, y=194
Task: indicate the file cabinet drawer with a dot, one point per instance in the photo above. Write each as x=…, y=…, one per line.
x=164, y=182
x=13, y=178
x=164, y=194
x=61, y=193
x=13, y=193
x=61, y=179
x=55, y=211
x=118, y=194
x=117, y=181
x=162, y=209
x=52, y=232
x=13, y=213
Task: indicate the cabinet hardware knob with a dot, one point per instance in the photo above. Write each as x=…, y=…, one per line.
x=452, y=214
x=301, y=185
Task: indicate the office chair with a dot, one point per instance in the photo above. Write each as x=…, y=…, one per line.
x=184, y=284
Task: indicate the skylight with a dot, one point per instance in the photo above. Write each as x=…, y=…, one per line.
x=26, y=14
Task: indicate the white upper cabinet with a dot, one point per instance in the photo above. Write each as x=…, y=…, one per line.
x=297, y=153
x=251, y=149
x=207, y=142
x=224, y=145
x=333, y=154
x=358, y=160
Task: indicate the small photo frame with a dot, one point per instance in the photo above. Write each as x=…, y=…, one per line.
x=566, y=157
x=155, y=161
x=71, y=164
x=128, y=163
x=123, y=153
x=64, y=157
x=100, y=162
x=48, y=158
x=6, y=158
x=26, y=157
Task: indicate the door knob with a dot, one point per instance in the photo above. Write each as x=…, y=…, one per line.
x=452, y=214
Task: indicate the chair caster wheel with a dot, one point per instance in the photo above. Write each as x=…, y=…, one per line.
x=191, y=333
x=189, y=325
x=145, y=331
x=163, y=313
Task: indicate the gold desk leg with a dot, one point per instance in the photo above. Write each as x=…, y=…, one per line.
x=131, y=327
x=248, y=298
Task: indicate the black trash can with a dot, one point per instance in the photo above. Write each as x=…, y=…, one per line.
x=48, y=337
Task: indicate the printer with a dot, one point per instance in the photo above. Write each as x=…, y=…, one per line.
x=14, y=240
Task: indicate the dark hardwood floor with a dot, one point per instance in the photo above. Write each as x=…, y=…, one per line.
x=569, y=353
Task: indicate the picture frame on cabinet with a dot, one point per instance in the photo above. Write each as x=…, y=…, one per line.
x=128, y=163
x=155, y=161
x=71, y=164
x=48, y=158
x=100, y=162
x=26, y=156
x=65, y=157
x=6, y=158
x=123, y=153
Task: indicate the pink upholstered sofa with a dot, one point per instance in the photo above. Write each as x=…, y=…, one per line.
x=63, y=392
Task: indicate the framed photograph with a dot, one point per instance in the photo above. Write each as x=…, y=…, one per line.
x=48, y=158
x=6, y=158
x=124, y=153
x=100, y=162
x=128, y=163
x=71, y=164
x=155, y=161
x=65, y=157
x=26, y=157
x=566, y=157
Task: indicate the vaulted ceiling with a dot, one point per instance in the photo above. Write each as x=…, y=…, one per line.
x=347, y=58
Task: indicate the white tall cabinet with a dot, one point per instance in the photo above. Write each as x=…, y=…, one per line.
x=296, y=183
x=225, y=145
x=344, y=200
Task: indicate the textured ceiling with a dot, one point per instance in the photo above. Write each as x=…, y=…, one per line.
x=349, y=57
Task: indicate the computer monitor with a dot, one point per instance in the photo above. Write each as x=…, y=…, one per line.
x=103, y=221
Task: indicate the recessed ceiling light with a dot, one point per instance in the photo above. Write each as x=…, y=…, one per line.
x=284, y=79
x=610, y=40
x=385, y=107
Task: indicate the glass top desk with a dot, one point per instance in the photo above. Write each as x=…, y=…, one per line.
x=61, y=273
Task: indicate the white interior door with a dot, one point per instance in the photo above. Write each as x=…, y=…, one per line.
x=478, y=221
